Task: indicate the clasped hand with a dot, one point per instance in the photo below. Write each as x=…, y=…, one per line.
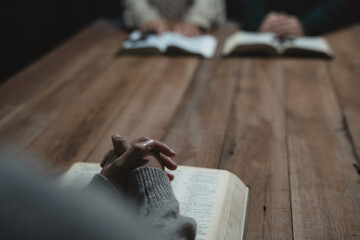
x=126, y=156
x=282, y=24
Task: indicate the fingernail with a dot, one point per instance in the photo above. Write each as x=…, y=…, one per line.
x=149, y=144
x=116, y=135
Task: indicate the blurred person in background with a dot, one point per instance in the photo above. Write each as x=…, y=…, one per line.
x=295, y=17
x=195, y=16
x=130, y=199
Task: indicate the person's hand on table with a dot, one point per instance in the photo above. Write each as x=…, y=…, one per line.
x=271, y=19
x=282, y=25
x=119, y=162
x=188, y=29
x=156, y=25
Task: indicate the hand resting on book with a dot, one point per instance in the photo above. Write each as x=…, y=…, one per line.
x=119, y=162
x=159, y=27
x=156, y=25
x=188, y=29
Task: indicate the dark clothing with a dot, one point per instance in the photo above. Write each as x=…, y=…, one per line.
x=316, y=16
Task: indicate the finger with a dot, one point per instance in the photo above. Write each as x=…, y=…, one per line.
x=170, y=176
x=163, y=148
x=195, y=33
x=168, y=162
x=140, y=139
x=135, y=152
x=144, y=27
x=191, y=32
x=152, y=27
x=198, y=32
x=177, y=28
x=272, y=16
x=187, y=31
x=158, y=159
x=158, y=146
x=155, y=27
x=267, y=25
x=149, y=27
x=158, y=30
x=164, y=161
x=120, y=144
x=182, y=29
x=110, y=157
x=103, y=162
x=284, y=27
x=272, y=23
x=162, y=28
x=283, y=15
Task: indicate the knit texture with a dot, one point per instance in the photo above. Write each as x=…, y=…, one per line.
x=34, y=207
x=157, y=205
x=100, y=183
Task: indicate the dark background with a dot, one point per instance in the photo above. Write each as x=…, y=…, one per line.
x=31, y=28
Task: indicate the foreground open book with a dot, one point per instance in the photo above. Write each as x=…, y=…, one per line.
x=170, y=43
x=216, y=199
x=252, y=43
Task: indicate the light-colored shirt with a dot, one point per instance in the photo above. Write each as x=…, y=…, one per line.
x=204, y=13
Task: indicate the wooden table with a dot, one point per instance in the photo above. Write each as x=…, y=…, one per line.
x=289, y=128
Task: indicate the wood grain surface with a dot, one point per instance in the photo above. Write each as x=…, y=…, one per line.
x=324, y=185
x=255, y=148
x=289, y=128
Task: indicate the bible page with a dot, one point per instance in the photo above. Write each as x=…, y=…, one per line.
x=236, y=221
x=244, y=38
x=79, y=175
x=204, y=45
x=202, y=194
x=138, y=41
x=317, y=44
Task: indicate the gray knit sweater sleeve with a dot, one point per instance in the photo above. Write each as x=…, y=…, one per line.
x=100, y=183
x=157, y=207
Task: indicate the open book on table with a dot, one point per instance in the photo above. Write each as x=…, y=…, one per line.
x=169, y=43
x=251, y=43
x=216, y=199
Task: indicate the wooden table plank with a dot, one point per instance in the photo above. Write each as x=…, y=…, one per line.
x=66, y=123
x=58, y=67
x=275, y=123
x=149, y=107
x=345, y=74
x=255, y=148
x=198, y=128
x=324, y=186
x=31, y=114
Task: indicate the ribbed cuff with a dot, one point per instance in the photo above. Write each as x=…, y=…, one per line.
x=150, y=183
x=100, y=182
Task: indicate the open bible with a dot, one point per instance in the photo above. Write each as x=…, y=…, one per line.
x=169, y=43
x=216, y=199
x=251, y=43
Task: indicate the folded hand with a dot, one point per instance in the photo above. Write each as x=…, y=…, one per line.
x=119, y=162
x=282, y=24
